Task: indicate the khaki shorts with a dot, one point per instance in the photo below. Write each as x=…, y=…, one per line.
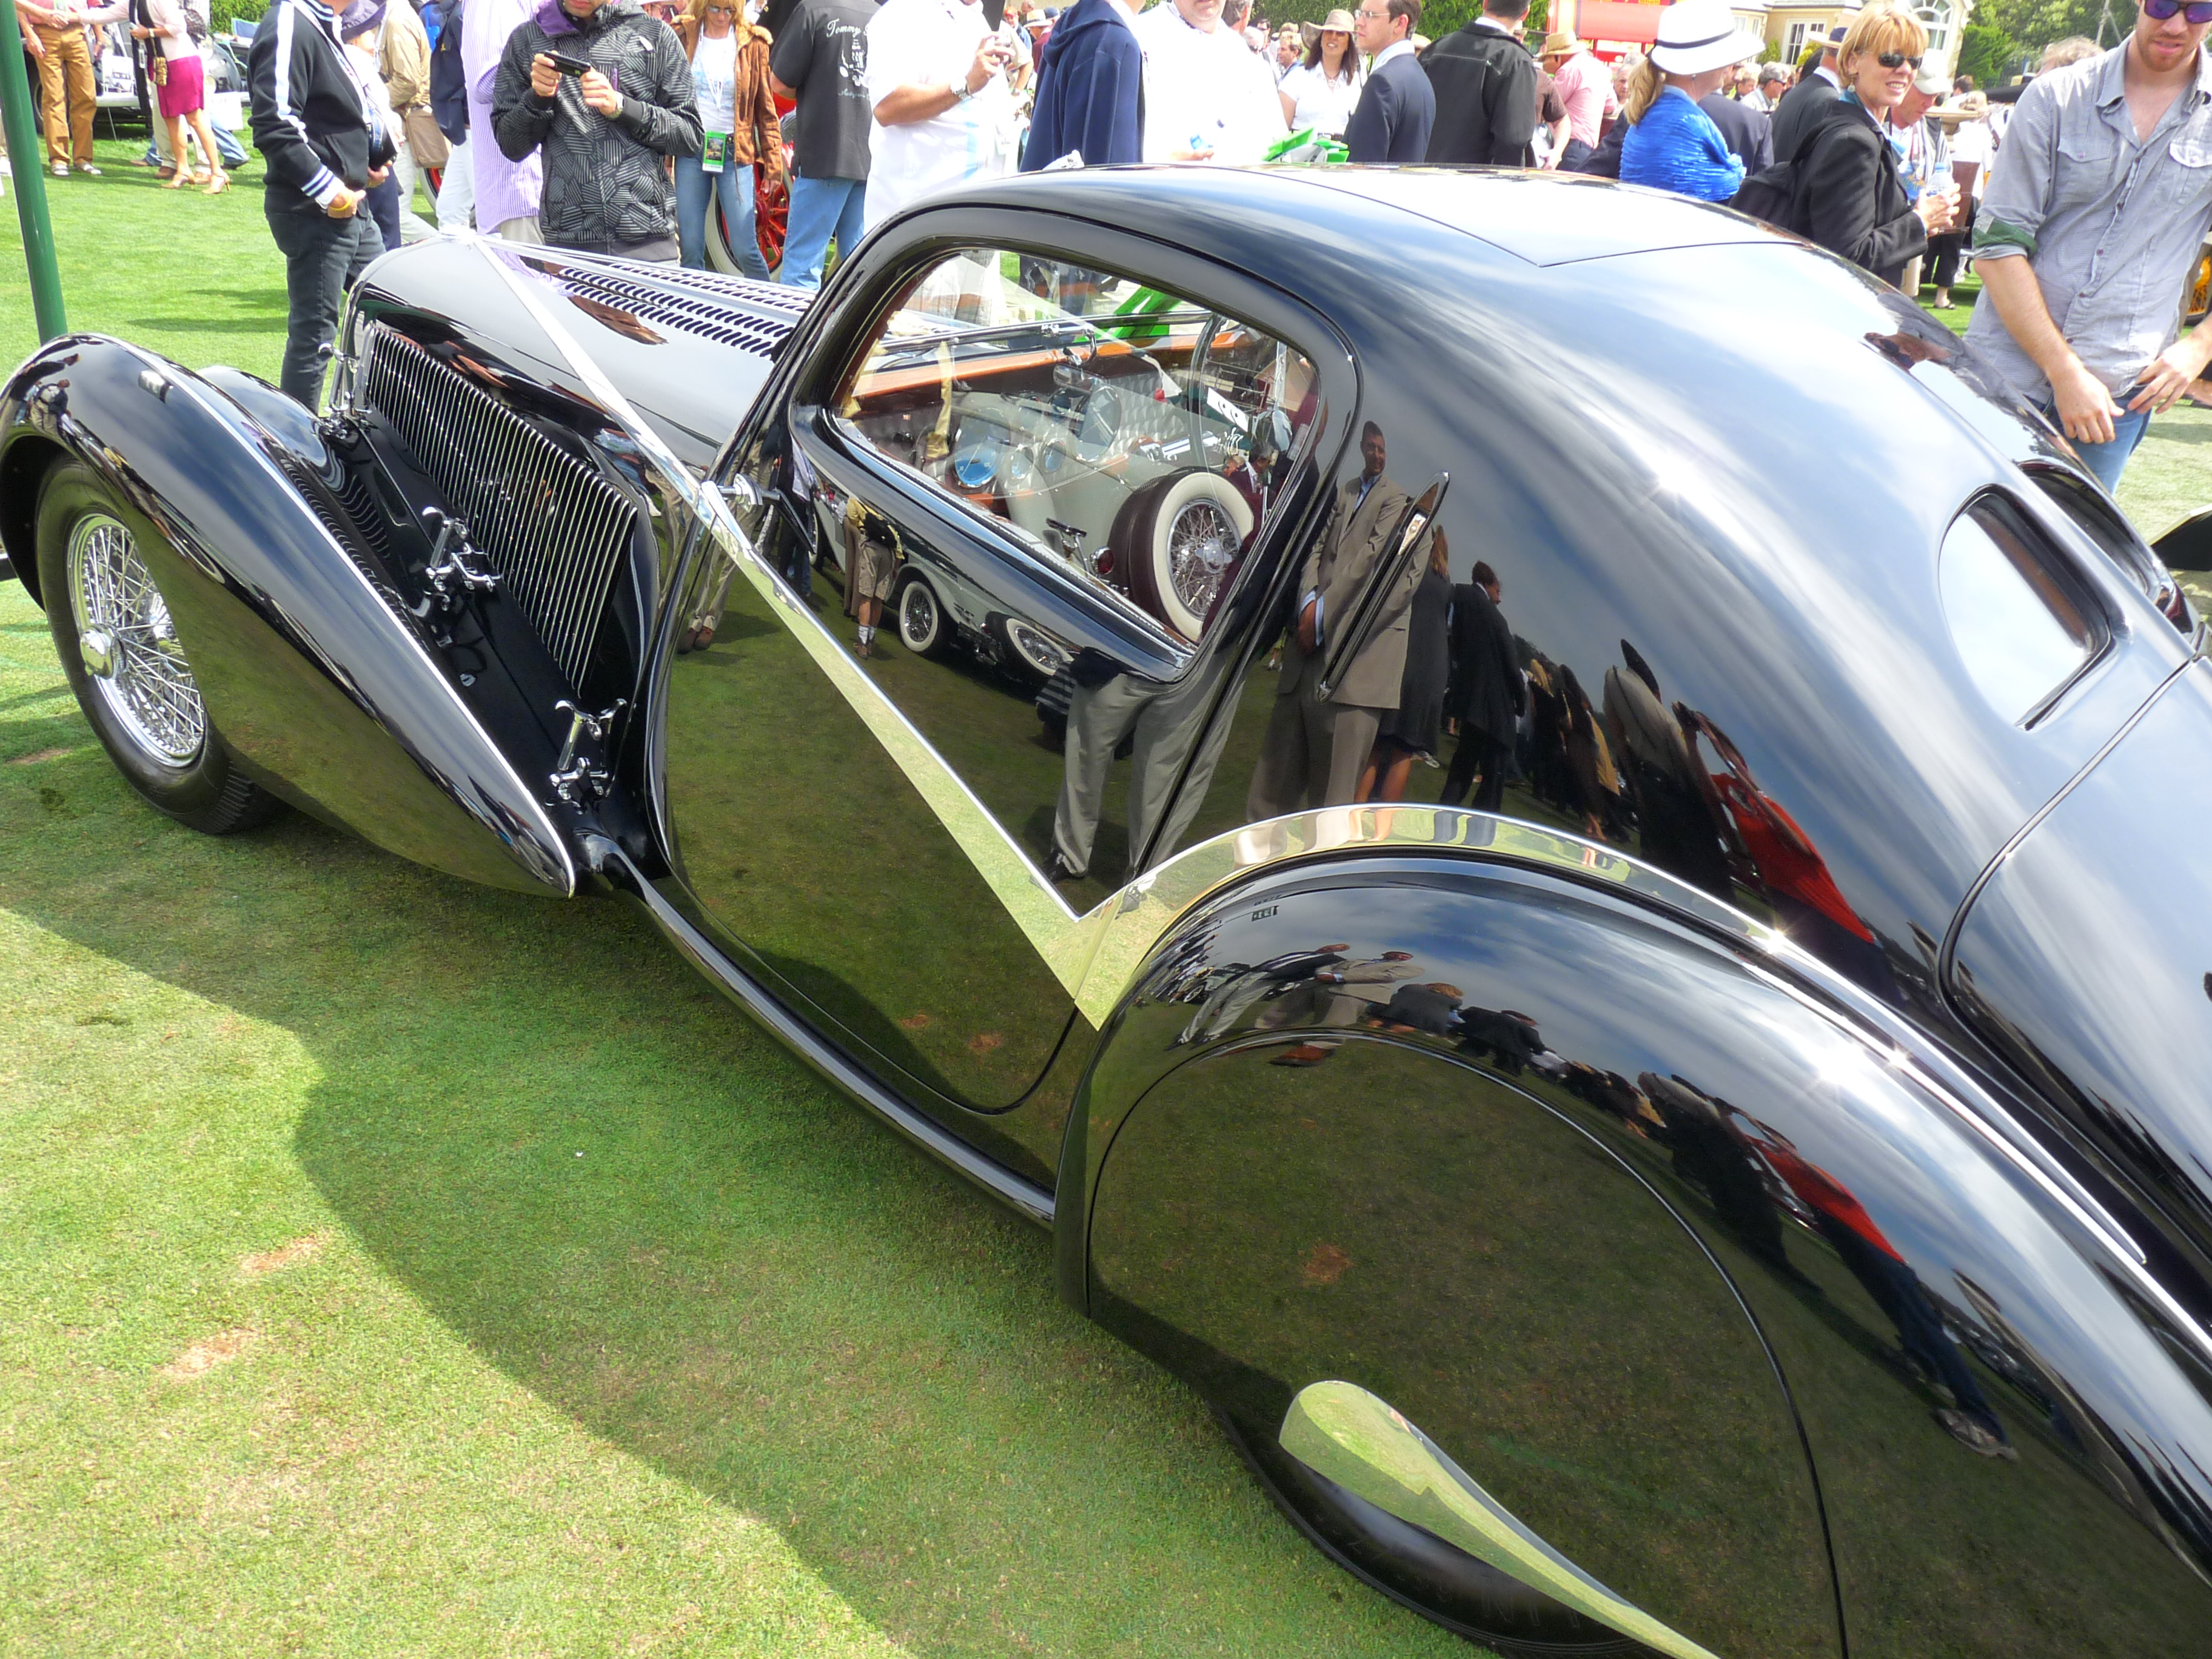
x=875, y=569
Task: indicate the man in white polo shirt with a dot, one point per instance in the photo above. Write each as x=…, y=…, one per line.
x=943, y=112
x=1208, y=97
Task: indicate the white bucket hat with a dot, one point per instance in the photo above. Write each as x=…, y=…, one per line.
x=1697, y=35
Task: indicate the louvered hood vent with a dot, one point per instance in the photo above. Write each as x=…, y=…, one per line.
x=554, y=532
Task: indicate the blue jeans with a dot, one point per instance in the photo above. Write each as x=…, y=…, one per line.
x=821, y=209
x=695, y=185
x=2109, y=461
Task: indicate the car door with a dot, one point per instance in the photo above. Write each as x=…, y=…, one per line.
x=1033, y=480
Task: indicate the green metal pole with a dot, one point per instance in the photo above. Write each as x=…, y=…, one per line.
x=30, y=178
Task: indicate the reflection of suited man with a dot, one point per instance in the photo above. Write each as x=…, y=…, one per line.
x=1314, y=749
x=1487, y=695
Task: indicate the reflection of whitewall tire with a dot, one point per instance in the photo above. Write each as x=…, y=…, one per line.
x=1027, y=645
x=922, y=625
x=1180, y=543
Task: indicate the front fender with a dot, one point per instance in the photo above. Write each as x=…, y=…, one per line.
x=1454, y=1177
x=314, y=674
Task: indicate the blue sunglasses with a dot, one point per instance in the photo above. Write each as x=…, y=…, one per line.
x=2197, y=11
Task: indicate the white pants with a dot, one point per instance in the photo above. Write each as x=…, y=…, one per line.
x=456, y=196
x=413, y=228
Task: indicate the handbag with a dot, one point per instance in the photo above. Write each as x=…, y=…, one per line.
x=424, y=141
x=1775, y=194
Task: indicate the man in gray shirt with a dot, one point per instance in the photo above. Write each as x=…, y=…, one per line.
x=2100, y=201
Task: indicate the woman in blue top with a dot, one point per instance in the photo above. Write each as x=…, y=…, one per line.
x=1671, y=144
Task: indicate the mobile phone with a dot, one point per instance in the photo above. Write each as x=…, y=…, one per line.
x=566, y=64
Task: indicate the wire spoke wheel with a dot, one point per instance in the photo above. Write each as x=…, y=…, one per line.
x=136, y=666
x=1201, y=542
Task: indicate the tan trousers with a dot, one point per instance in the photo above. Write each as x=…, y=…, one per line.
x=66, y=86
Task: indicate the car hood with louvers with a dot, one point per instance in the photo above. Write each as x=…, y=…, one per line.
x=688, y=349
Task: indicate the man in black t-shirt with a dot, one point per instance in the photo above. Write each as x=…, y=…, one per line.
x=820, y=59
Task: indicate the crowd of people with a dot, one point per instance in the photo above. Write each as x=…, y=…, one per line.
x=620, y=126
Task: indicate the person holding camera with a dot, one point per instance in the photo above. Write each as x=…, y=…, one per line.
x=603, y=93
x=944, y=110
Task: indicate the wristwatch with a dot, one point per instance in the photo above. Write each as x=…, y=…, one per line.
x=962, y=92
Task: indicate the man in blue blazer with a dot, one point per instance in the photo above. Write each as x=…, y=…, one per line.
x=1090, y=90
x=1392, y=121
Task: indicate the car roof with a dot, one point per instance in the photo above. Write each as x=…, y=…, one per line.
x=1543, y=218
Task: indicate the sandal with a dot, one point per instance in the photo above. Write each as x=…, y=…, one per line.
x=217, y=185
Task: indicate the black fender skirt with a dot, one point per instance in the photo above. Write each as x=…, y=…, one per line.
x=316, y=678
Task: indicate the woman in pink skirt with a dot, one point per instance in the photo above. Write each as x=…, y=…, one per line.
x=180, y=83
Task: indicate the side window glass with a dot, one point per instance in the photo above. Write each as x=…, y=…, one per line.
x=1121, y=431
x=2021, y=622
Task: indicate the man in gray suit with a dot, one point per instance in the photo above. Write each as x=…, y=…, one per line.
x=1315, y=748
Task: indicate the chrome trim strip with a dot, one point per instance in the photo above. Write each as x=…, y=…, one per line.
x=550, y=836
x=1360, y=1442
x=1030, y=1200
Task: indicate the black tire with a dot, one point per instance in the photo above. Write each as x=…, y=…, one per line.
x=923, y=627
x=164, y=745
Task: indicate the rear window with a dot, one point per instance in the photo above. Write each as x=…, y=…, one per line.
x=2022, y=621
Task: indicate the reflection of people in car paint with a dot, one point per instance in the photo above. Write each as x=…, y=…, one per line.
x=1812, y=908
x=1226, y=1003
x=1843, y=1221
x=872, y=552
x=1709, y=1157
x=1318, y=738
x=1680, y=833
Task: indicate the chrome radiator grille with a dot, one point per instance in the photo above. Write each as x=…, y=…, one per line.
x=555, y=533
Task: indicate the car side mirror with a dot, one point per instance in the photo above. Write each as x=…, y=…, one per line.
x=1355, y=1439
x=2188, y=545
x=1366, y=617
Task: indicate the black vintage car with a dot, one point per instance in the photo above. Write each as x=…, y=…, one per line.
x=1745, y=1190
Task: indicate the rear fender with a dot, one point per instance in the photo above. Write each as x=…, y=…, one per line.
x=1270, y=1188
x=316, y=678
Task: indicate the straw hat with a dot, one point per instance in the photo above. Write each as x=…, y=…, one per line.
x=1697, y=35
x=1337, y=22
x=1558, y=45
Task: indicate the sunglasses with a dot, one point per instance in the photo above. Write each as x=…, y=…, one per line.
x=1898, y=60
x=2199, y=12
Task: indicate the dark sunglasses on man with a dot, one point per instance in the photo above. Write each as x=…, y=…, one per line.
x=2199, y=12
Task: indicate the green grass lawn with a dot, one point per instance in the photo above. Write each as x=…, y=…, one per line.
x=393, y=1266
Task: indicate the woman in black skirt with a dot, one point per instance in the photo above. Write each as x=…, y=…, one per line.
x=1416, y=726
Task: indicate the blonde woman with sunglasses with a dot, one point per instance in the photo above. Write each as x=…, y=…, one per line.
x=1855, y=203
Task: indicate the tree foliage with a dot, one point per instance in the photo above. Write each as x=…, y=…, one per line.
x=1987, y=53
x=2036, y=24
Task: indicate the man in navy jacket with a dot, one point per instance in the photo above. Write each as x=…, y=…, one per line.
x=1485, y=82
x=1090, y=90
x=1391, y=124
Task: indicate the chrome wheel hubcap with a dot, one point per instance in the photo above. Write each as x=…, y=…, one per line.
x=129, y=646
x=1201, y=542
x=919, y=614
